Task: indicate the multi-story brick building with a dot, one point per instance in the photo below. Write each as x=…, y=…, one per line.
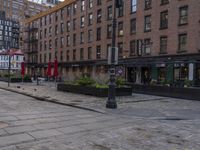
x=20, y=9
x=157, y=39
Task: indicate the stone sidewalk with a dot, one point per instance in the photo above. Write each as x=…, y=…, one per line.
x=47, y=91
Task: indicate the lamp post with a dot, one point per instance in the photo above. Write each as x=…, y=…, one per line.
x=9, y=64
x=111, y=102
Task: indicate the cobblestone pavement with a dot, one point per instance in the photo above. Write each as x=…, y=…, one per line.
x=141, y=122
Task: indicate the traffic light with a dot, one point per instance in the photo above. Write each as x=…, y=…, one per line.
x=118, y=3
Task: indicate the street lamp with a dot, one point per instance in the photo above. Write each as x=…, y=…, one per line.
x=9, y=66
x=111, y=102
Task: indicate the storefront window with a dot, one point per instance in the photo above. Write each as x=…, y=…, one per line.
x=181, y=73
x=162, y=74
x=198, y=74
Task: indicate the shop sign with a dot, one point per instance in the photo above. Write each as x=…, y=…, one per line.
x=161, y=65
x=179, y=65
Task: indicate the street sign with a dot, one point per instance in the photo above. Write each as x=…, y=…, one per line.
x=113, y=56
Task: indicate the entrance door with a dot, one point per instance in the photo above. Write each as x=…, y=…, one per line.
x=132, y=75
x=198, y=76
x=146, y=75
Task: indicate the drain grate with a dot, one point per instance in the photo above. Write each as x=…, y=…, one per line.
x=3, y=124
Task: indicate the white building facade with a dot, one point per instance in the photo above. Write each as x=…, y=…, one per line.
x=16, y=59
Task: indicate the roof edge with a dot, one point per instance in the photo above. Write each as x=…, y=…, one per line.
x=51, y=10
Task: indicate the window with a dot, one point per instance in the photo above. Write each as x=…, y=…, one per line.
x=98, y=34
x=61, y=28
x=74, y=54
x=81, y=54
x=109, y=31
x=98, y=2
x=45, y=20
x=90, y=36
x=147, y=46
x=120, y=47
x=45, y=58
x=132, y=47
x=68, y=40
x=121, y=11
x=147, y=4
x=163, y=2
x=40, y=58
x=40, y=34
x=61, y=42
x=82, y=21
x=74, y=24
x=50, y=31
x=50, y=44
x=74, y=39
x=67, y=55
x=182, y=42
x=50, y=19
x=82, y=5
x=162, y=72
x=68, y=11
x=98, y=52
x=164, y=20
x=180, y=71
x=56, y=16
x=61, y=55
x=56, y=29
x=55, y=54
x=90, y=3
x=133, y=26
x=147, y=23
x=163, y=45
x=74, y=8
x=89, y=52
x=133, y=6
x=68, y=26
x=40, y=46
x=90, y=19
x=109, y=13
x=45, y=32
x=56, y=43
x=61, y=14
x=183, y=15
x=81, y=37
x=45, y=45
x=99, y=16
x=120, y=29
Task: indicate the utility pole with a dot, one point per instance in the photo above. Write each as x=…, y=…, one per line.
x=9, y=63
x=111, y=102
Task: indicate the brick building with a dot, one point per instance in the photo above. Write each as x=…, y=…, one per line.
x=157, y=39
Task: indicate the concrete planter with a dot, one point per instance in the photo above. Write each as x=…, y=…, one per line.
x=176, y=92
x=14, y=80
x=88, y=90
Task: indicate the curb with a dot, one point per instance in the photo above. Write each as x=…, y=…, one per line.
x=52, y=101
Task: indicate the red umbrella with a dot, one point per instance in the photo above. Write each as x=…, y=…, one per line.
x=49, y=69
x=22, y=69
x=55, y=73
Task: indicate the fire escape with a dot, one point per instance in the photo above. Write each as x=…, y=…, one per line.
x=31, y=47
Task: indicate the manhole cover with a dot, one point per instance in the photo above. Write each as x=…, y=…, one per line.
x=3, y=124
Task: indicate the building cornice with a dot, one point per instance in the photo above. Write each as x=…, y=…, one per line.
x=51, y=10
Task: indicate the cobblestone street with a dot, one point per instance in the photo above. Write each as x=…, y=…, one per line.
x=141, y=122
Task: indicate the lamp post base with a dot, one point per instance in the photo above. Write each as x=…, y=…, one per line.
x=111, y=104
